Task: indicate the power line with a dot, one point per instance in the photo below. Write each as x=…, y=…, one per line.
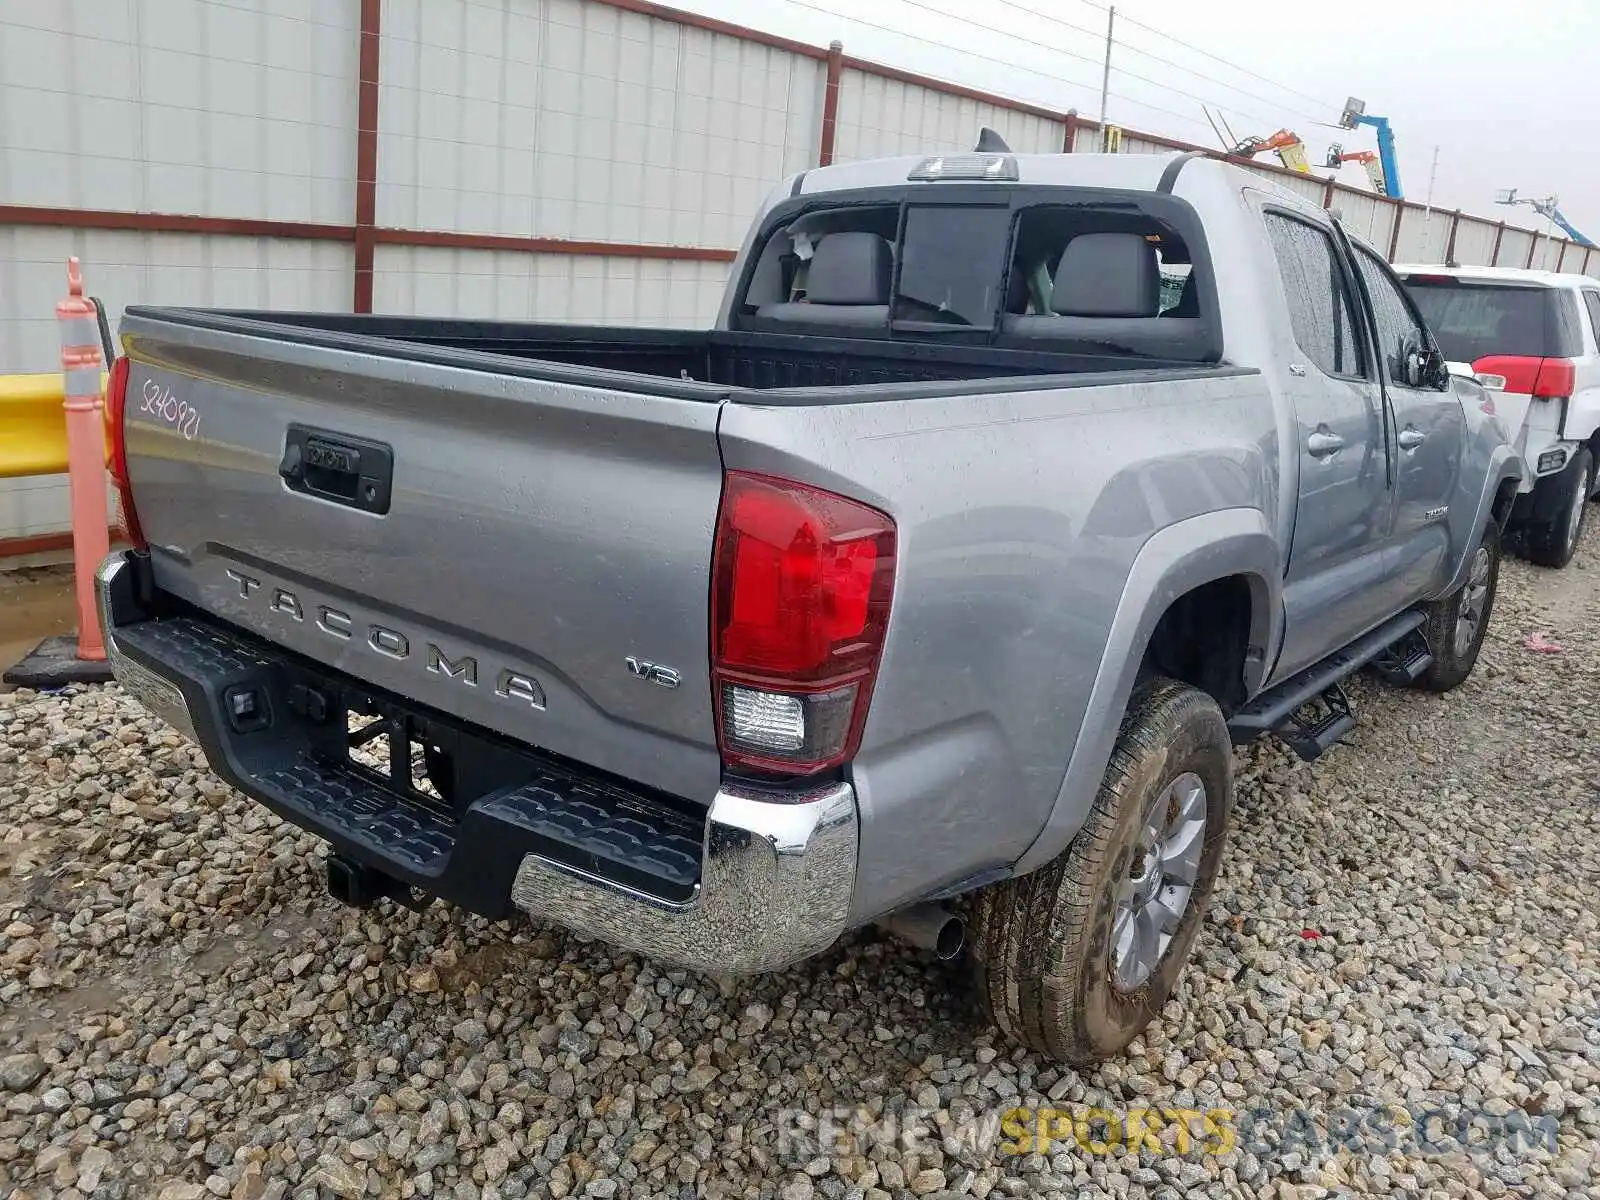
x=1139, y=50
x=1027, y=41
x=1320, y=103
x=1009, y=64
x=1093, y=60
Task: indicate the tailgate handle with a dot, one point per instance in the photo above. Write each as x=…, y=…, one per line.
x=352, y=471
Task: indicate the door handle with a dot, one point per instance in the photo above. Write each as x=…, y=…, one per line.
x=1411, y=437
x=1324, y=442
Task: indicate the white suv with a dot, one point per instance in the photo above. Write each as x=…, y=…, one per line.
x=1533, y=339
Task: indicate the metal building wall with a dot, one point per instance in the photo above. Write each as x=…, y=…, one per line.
x=880, y=116
x=145, y=268
x=1514, y=246
x=509, y=285
x=1475, y=241
x=1089, y=141
x=575, y=120
x=1424, y=236
x=214, y=107
x=1369, y=217
x=205, y=107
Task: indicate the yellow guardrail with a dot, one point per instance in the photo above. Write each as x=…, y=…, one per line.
x=33, y=427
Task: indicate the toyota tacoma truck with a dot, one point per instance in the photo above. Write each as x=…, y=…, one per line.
x=940, y=575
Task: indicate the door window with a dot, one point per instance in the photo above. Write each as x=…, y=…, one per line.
x=1398, y=328
x=1319, y=301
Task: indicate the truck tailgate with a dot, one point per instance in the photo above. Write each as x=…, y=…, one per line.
x=534, y=558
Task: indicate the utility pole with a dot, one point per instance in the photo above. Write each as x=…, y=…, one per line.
x=1105, y=75
x=1427, y=204
x=1550, y=207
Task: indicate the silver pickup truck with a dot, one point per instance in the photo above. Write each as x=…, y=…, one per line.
x=938, y=577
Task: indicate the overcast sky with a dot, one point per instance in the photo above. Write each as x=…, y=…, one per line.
x=1510, y=94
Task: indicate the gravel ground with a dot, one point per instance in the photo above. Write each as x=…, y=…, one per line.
x=1408, y=925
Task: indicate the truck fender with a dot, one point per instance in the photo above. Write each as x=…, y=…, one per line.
x=1177, y=559
x=1504, y=463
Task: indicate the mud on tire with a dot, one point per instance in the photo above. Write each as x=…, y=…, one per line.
x=1043, y=945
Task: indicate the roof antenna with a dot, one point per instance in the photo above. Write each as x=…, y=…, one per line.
x=990, y=142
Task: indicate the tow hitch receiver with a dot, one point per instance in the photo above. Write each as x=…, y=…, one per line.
x=360, y=886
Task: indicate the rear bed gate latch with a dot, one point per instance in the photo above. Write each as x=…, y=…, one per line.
x=339, y=468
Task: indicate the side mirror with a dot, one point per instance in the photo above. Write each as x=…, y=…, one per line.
x=1425, y=368
x=1415, y=367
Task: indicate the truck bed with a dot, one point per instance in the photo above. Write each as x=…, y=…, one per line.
x=692, y=364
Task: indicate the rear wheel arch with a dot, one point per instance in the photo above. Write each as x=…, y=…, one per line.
x=1234, y=543
x=1215, y=637
x=1505, y=499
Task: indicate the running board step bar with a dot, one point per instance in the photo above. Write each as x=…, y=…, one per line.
x=1404, y=662
x=1310, y=733
x=1274, y=710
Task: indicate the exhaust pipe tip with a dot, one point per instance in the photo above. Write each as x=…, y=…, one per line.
x=928, y=927
x=952, y=938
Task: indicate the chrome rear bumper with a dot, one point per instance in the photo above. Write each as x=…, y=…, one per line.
x=777, y=869
x=775, y=886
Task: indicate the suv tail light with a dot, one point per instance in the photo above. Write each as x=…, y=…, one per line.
x=116, y=431
x=1557, y=378
x=1524, y=375
x=801, y=582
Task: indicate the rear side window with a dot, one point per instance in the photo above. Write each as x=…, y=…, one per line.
x=952, y=259
x=1470, y=319
x=1319, y=300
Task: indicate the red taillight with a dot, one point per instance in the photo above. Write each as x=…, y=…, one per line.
x=1527, y=375
x=1557, y=378
x=116, y=433
x=801, y=581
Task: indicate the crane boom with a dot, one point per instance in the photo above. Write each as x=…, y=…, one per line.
x=1386, y=157
x=1355, y=114
x=1554, y=213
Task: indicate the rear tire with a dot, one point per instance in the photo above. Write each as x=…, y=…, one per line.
x=1552, y=543
x=1064, y=964
x=1458, y=623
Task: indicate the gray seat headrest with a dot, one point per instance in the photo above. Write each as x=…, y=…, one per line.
x=850, y=268
x=1107, y=275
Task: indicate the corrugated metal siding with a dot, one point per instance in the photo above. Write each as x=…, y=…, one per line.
x=143, y=268
x=573, y=120
x=39, y=504
x=240, y=108
x=880, y=117
x=1514, y=248
x=1089, y=139
x=514, y=286
x=123, y=268
x=1475, y=242
x=1546, y=254
x=1423, y=235
x=1369, y=217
